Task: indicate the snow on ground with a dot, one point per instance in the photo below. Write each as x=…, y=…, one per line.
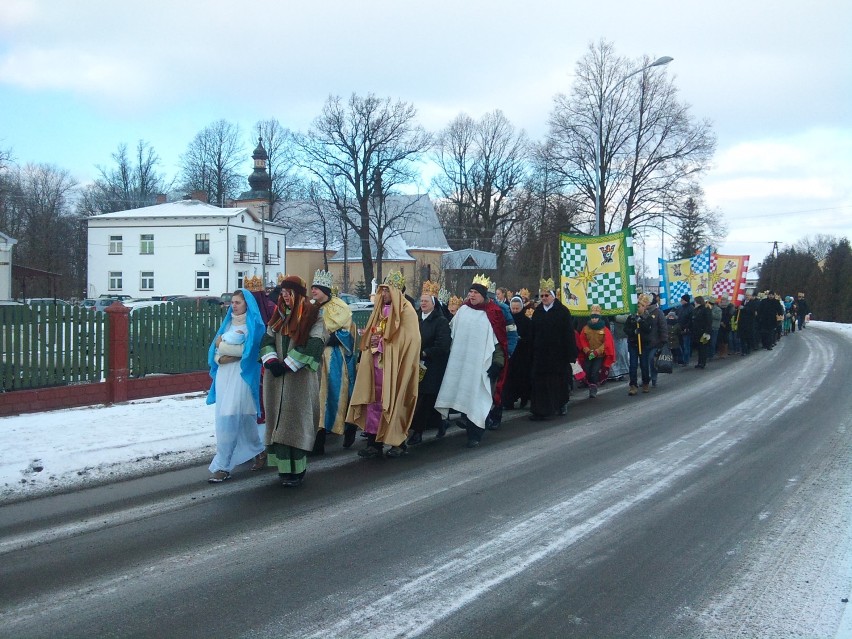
x=56, y=451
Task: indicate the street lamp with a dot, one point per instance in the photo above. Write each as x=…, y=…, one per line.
x=599, y=230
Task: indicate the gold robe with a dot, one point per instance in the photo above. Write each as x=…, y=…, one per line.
x=401, y=367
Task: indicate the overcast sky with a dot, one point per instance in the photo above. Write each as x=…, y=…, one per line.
x=79, y=77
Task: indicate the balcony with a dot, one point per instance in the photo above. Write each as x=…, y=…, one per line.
x=244, y=257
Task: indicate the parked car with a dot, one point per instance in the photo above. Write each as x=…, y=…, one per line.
x=102, y=302
x=354, y=302
x=88, y=303
x=46, y=301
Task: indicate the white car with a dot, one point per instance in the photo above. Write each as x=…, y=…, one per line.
x=355, y=303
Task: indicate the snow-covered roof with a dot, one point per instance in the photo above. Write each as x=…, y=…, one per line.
x=181, y=208
x=422, y=230
x=5, y=239
x=469, y=259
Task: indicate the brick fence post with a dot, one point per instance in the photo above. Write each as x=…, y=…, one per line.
x=118, y=365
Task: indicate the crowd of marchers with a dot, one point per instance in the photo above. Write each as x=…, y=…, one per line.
x=294, y=361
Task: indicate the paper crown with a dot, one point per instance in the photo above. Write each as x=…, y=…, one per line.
x=492, y=288
x=455, y=301
x=483, y=280
x=323, y=278
x=524, y=293
x=431, y=288
x=280, y=277
x=395, y=279
x=253, y=283
x=443, y=296
x=547, y=285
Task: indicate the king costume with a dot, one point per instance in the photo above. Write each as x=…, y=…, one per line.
x=385, y=393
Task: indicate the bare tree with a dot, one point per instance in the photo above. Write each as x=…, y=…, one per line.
x=819, y=246
x=38, y=204
x=212, y=160
x=130, y=183
x=482, y=165
x=643, y=143
x=345, y=147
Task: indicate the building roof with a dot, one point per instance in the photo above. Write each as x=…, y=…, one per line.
x=5, y=239
x=181, y=208
x=421, y=231
x=469, y=259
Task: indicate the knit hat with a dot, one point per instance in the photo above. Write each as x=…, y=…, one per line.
x=685, y=297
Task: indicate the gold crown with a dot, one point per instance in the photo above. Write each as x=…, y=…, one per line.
x=455, y=301
x=323, y=278
x=395, y=279
x=253, y=283
x=524, y=292
x=443, y=296
x=280, y=277
x=431, y=288
x=547, y=285
x=483, y=280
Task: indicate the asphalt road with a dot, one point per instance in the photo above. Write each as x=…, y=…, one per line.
x=719, y=505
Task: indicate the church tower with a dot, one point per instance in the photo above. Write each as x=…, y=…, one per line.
x=257, y=198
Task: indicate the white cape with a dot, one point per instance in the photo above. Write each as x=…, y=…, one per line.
x=466, y=387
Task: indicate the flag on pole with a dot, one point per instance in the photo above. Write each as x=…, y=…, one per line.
x=598, y=269
x=707, y=274
x=689, y=276
x=729, y=277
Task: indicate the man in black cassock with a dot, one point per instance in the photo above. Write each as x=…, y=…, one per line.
x=554, y=350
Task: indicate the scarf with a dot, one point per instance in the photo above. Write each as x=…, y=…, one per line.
x=596, y=322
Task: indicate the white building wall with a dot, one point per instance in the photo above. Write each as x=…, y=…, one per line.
x=174, y=262
x=6, y=246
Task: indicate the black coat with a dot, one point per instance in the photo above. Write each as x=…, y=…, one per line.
x=435, y=340
x=767, y=314
x=554, y=342
x=702, y=321
x=748, y=312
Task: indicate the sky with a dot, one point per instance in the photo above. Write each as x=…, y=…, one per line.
x=774, y=78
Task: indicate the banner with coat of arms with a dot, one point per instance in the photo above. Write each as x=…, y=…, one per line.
x=598, y=269
x=706, y=273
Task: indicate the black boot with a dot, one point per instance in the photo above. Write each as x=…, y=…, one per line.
x=349, y=433
x=319, y=444
x=474, y=435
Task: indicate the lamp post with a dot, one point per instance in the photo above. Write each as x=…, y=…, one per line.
x=599, y=230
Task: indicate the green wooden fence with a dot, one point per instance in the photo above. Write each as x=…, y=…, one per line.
x=51, y=346
x=172, y=338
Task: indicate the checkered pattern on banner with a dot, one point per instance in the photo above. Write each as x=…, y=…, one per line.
x=679, y=289
x=572, y=257
x=725, y=287
x=606, y=291
x=701, y=262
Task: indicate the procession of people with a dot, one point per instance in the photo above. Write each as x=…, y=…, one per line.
x=296, y=363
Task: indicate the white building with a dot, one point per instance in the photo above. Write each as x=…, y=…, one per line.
x=6, y=246
x=181, y=248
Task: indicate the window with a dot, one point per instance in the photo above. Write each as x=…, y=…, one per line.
x=146, y=281
x=115, y=245
x=115, y=282
x=202, y=243
x=146, y=245
x=241, y=278
x=202, y=280
x=242, y=244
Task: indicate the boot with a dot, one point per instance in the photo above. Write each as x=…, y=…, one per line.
x=723, y=350
x=633, y=390
x=593, y=391
x=349, y=433
x=319, y=444
x=646, y=388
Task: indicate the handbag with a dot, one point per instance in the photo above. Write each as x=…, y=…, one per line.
x=664, y=361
